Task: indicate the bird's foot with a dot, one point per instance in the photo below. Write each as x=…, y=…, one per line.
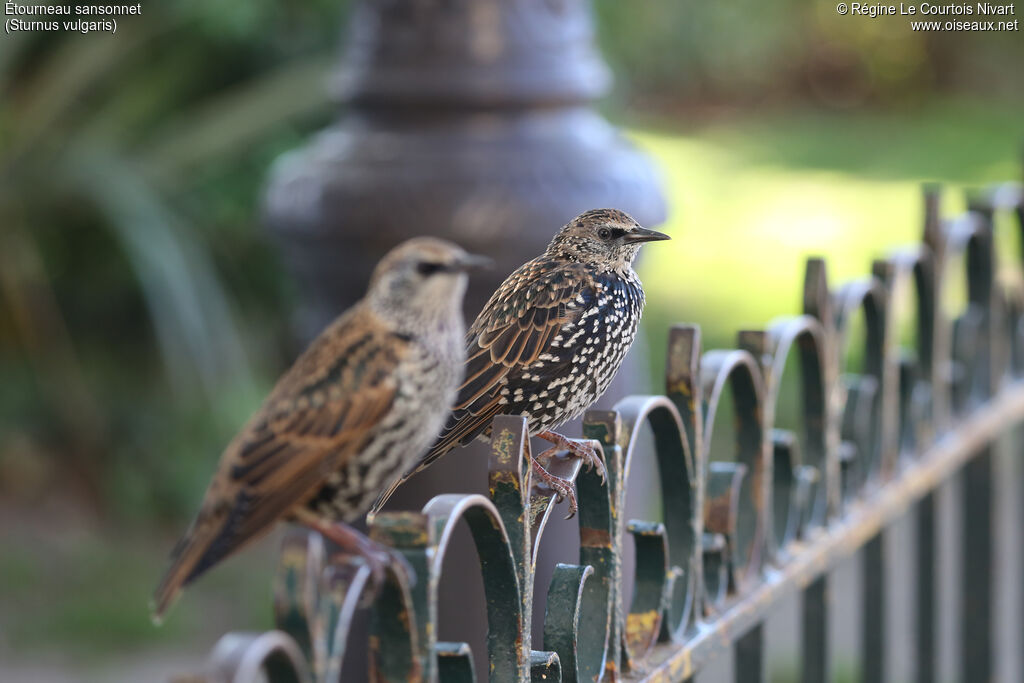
x=581, y=449
x=379, y=558
x=563, y=488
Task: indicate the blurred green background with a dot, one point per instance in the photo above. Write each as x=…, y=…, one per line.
x=144, y=312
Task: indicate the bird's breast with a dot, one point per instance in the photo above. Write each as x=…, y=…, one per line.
x=583, y=357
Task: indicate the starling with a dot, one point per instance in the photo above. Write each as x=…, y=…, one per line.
x=355, y=411
x=550, y=340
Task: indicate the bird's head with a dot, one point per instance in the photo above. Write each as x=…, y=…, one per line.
x=607, y=238
x=420, y=283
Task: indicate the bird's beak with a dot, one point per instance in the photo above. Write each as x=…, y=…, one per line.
x=468, y=262
x=644, y=235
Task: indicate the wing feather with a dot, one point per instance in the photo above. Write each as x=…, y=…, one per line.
x=320, y=414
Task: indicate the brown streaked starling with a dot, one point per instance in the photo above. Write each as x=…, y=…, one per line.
x=551, y=338
x=356, y=410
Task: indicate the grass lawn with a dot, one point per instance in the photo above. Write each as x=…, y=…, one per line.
x=74, y=600
x=751, y=199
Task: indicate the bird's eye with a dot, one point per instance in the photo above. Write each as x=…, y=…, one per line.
x=604, y=233
x=429, y=267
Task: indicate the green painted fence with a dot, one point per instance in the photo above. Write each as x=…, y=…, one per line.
x=735, y=535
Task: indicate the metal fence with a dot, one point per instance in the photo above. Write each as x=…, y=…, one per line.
x=890, y=408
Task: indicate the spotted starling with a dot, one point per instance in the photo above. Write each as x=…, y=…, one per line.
x=355, y=411
x=551, y=338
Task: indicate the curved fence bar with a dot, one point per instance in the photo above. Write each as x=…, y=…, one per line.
x=862, y=424
x=677, y=473
x=920, y=391
x=736, y=493
x=505, y=634
x=918, y=375
x=244, y=657
x=801, y=471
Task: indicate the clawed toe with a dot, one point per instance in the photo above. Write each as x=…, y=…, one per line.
x=588, y=454
x=563, y=488
x=582, y=450
x=565, y=491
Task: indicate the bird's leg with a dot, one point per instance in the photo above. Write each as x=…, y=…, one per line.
x=352, y=543
x=562, y=487
x=583, y=451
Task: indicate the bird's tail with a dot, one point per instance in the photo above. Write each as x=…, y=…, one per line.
x=390, y=490
x=189, y=559
x=436, y=451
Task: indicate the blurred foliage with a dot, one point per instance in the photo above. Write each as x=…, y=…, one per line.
x=136, y=285
x=708, y=54
x=82, y=595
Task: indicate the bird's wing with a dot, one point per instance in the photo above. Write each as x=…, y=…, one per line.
x=513, y=330
x=319, y=415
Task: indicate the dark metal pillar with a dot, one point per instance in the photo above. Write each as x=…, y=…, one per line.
x=467, y=120
x=874, y=640
x=751, y=664
x=816, y=667
x=927, y=594
x=976, y=638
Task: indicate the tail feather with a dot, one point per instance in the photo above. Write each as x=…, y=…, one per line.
x=457, y=432
x=212, y=537
x=189, y=559
x=435, y=452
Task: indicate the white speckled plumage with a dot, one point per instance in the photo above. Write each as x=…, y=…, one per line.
x=549, y=341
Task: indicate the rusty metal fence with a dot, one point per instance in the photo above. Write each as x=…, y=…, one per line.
x=890, y=408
